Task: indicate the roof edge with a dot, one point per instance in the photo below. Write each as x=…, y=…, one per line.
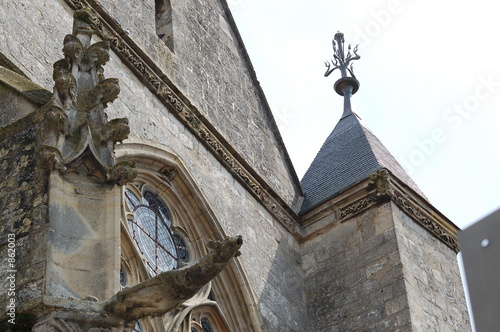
x=265, y=104
x=378, y=188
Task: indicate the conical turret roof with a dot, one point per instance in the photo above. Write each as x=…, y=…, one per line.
x=349, y=155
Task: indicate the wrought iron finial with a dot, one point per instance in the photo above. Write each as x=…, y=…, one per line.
x=340, y=59
x=347, y=85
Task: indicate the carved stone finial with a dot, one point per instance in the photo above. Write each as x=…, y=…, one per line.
x=75, y=130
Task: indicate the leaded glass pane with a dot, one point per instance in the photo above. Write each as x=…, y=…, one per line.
x=150, y=228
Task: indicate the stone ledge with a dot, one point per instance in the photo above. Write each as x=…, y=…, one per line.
x=24, y=86
x=19, y=96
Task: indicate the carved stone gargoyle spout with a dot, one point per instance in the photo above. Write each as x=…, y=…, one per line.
x=162, y=293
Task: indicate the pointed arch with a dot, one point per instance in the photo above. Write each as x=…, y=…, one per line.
x=235, y=306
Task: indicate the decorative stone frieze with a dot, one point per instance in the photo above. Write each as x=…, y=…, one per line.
x=381, y=187
x=357, y=207
x=432, y=224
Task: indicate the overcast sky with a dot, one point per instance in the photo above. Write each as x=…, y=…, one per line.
x=430, y=86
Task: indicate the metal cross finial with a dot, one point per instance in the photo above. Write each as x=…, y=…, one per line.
x=340, y=60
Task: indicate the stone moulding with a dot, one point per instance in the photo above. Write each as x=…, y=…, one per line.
x=149, y=74
x=357, y=207
x=383, y=187
x=433, y=224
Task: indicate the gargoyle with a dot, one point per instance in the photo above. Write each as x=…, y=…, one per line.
x=162, y=293
x=116, y=130
x=123, y=172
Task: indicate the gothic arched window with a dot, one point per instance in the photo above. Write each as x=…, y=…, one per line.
x=151, y=230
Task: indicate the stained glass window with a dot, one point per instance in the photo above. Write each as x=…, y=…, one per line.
x=150, y=229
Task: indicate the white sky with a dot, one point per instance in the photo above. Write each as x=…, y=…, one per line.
x=430, y=86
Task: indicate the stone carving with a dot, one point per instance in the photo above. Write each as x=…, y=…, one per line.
x=164, y=292
x=75, y=130
x=357, y=207
x=87, y=319
x=381, y=182
x=428, y=223
x=107, y=31
x=167, y=174
x=152, y=297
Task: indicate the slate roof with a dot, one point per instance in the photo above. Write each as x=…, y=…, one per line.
x=349, y=155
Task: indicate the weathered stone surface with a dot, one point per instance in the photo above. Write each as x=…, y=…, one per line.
x=19, y=97
x=386, y=275
x=361, y=278
x=349, y=277
x=434, y=287
x=23, y=209
x=167, y=290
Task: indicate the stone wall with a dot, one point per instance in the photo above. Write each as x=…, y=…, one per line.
x=435, y=292
x=354, y=276
x=208, y=67
x=270, y=255
x=32, y=35
x=23, y=212
x=381, y=271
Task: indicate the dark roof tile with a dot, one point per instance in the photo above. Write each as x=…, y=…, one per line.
x=349, y=155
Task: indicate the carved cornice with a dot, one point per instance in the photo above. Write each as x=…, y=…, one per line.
x=432, y=224
x=144, y=68
x=379, y=188
x=357, y=207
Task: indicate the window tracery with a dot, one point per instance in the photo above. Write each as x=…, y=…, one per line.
x=151, y=229
x=179, y=205
x=207, y=319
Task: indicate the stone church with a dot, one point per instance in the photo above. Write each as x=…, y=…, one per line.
x=145, y=187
